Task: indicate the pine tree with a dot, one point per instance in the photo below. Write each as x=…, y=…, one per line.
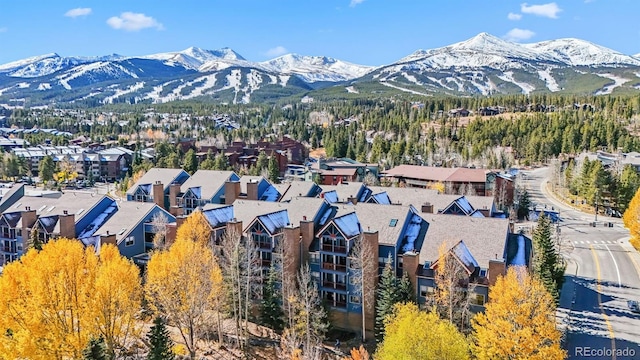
x=406, y=291
x=274, y=169
x=523, y=205
x=95, y=350
x=271, y=312
x=34, y=240
x=386, y=299
x=160, y=343
x=190, y=161
x=546, y=260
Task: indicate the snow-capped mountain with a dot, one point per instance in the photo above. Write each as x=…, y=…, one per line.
x=315, y=68
x=486, y=65
x=482, y=65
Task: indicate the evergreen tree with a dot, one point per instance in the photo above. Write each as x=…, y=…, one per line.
x=95, y=350
x=546, y=259
x=274, y=169
x=160, y=343
x=271, y=312
x=221, y=162
x=406, y=291
x=190, y=162
x=34, y=240
x=387, y=297
x=262, y=163
x=46, y=169
x=523, y=205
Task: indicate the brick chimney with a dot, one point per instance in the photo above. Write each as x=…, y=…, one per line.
x=170, y=237
x=307, y=234
x=410, y=264
x=108, y=239
x=234, y=226
x=174, y=191
x=291, y=250
x=29, y=218
x=427, y=208
x=180, y=220
x=371, y=238
x=67, y=225
x=496, y=268
x=252, y=190
x=176, y=211
x=352, y=199
x=231, y=191
x=158, y=194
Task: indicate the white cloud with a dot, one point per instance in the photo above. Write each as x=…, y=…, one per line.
x=74, y=13
x=276, y=51
x=514, y=17
x=549, y=10
x=353, y=3
x=516, y=34
x=129, y=21
x=3, y=29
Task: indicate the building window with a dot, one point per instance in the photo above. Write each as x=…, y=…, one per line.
x=129, y=241
x=483, y=272
x=426, y=291
x=315, y=276
x=314, y=258
x=382, y=261
x=479, y=300
x=354, y=299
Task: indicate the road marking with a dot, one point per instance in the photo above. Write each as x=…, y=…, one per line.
x=615, y=263
x=635, y=264
x=587, y=241
x=604, y=315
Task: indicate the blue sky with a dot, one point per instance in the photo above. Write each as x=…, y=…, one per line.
x=369, y=32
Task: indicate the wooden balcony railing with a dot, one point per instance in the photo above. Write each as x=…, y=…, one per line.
x=334, y=248
x=334, y=267
x=334, y=285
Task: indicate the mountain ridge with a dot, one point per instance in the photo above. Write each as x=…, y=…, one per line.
x=481, y=65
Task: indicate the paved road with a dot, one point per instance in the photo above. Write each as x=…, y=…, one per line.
x=603, y=272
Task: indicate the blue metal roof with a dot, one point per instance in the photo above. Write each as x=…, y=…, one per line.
x=463, y=203
x=270, y=194
x=275, y=221
x=49, y=222
x=477, y=214
x=314, y=191
x=146, y=188
x=197, y=191
x=382, y=198
x=331, y=196
x=463, y=253
x=98, y=221
x=349, y=224
x=325, y=216
x=520, y=258
x=218, y=216
x=366, y=192
x=411, y=233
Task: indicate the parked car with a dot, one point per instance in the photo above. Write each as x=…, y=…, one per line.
x=633, y=306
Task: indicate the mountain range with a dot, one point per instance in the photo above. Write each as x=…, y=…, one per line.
x=483, y=65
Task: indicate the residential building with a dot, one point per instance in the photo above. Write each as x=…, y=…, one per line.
x=154, y=186
x=456, y=180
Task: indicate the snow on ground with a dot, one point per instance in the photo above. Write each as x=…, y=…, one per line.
x=233, y=81
x=103, y=66
x=155, y=93
x=485, y=89
x=411, y=78
x=403, y=89
x=284, y=79
x=549, y=80
x=457, y=81
x=508, y=77
x=2, y=91
x=209, y=82
x=352, y=90
x=617, y=81
x=44, y=86
x=23, y=85
x=135, y=87
x=274, y=79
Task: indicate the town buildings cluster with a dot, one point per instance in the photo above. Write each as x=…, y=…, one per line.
x=317, y=223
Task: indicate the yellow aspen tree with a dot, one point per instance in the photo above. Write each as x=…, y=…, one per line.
x=414, y=334
x=631, y=219
x=116, y=299
x=180, y=286
x=518, y=322
x=45, y=299
x=195, y=228
x=358, y=354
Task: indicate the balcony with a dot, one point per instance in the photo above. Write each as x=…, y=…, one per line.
x=334, y=267
x=264, y=245
x=334, y=248
x=266, y=263
x=334, y=285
